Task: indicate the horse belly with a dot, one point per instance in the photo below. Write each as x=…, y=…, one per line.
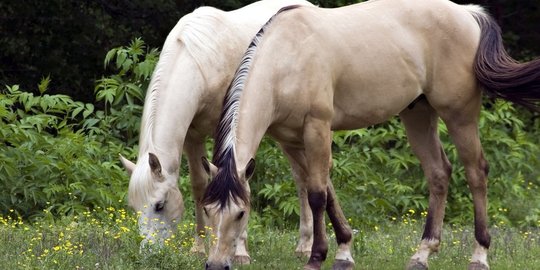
x=369, y=106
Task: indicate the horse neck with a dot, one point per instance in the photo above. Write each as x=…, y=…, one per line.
x=173, y=98
x=255, y=115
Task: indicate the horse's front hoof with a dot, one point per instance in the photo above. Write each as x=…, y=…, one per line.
x=416, y=265
x=477, y=266
x=242, y=259
x=313, y=265
x=343, y=265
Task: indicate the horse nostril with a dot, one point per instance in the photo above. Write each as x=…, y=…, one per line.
x=227, y=267
x=207, y=266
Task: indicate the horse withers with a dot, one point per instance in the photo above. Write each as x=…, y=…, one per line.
x=312, y=70
x=181, y=110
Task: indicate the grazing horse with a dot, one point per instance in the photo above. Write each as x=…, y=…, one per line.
x=312, y=70
x=182, y=108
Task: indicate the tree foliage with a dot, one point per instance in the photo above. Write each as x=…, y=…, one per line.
x=67, y=39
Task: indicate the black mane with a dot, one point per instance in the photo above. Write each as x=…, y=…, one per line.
x=226, y=185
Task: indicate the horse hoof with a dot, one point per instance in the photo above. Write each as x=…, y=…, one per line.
x=477, y=266
x=311, y=267
x=242, y=259
x=416, y=265
x=303, y=254
x=343, y=265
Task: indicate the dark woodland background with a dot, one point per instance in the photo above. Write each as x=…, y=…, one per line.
x=67, y=40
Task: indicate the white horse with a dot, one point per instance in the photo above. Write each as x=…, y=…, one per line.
x=312, y=70
x=181, y=110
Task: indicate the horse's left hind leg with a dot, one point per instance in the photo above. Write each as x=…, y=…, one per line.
x=460, y=112
x=464, y=133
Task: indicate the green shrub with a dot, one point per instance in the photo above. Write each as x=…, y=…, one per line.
x=123, y=93
x=61, y=156
x=48, y=161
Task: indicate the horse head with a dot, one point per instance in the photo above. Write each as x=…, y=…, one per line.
x=226, y=212
x=154, y=194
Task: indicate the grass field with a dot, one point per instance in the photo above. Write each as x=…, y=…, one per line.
x=107, y=239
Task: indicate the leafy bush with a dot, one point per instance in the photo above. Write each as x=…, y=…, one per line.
x=49, y=161
x=123, y=93
x=60, y=155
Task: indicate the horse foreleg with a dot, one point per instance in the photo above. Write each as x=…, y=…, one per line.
x=306, y=224
x=344, y=259
x=421, y=124
x=194, y=150
x=297, y=160
x=317, y=139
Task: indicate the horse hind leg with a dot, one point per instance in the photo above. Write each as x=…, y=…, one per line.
x=421, y=123
x=463, y=130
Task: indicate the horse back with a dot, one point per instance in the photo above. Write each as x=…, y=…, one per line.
x=366, y=62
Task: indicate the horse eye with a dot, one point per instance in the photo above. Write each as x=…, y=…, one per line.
x=159, y=206
x=240, y=215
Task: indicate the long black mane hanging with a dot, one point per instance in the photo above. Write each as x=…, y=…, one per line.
x=226, y=185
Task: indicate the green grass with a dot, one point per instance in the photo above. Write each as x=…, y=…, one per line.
x=107, y=239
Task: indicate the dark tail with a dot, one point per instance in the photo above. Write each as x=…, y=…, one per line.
x=499, y=74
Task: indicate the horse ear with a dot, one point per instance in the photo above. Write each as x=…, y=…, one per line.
x=250, y=169
x=210, y=168
x=155, y=166
x=128, y=165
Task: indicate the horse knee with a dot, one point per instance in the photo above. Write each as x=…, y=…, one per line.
x=317, y=201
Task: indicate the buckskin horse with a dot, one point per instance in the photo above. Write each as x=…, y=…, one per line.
x=312, y=70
